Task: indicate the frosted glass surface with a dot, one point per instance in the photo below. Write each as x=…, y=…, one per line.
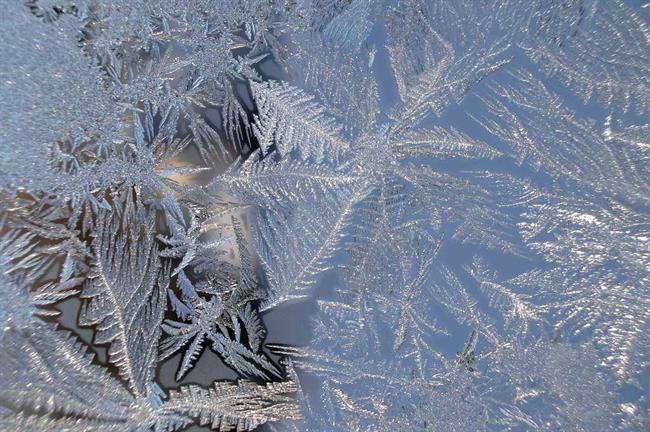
x=324, y=215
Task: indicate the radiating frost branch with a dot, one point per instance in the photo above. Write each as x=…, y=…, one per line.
x=33, y=361
x=521, y=116
x=288, y=119
x=295, y=249
x=516, y=308
x=342, y=81
x=214, y=304
x=87, y=398
x=597, y=48
x=124, y=296
x=241, y=406
x=435, y=59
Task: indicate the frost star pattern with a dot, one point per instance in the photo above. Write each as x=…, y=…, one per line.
x=458, y=190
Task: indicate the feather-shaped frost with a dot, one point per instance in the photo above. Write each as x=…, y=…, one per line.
x=125, y=294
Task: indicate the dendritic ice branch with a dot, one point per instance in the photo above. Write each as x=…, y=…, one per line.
x=457, y=192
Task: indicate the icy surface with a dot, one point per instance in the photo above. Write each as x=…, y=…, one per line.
x=325, y=215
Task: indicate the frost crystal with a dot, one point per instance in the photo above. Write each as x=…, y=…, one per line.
x=457, y=191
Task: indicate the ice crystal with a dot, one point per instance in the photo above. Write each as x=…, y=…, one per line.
x=457, y=189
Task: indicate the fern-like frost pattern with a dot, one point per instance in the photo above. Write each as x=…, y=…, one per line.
x=458, y=191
